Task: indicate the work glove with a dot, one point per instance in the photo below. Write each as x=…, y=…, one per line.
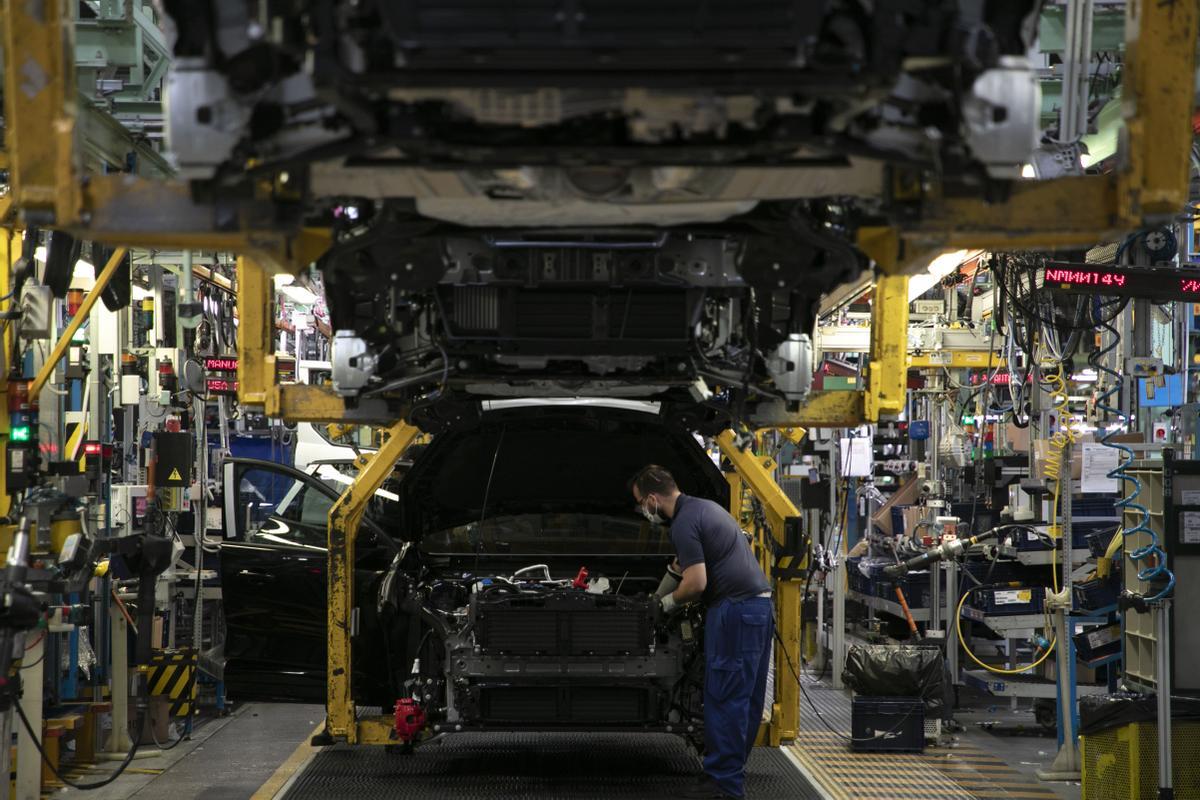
x=668, y=603
x=669, y=583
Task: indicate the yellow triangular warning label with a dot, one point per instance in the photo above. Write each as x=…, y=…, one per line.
x=175, y=476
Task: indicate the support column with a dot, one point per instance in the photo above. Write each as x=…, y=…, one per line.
x=342, y=623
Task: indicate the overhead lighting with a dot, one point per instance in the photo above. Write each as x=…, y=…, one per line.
x=299, y=295
x=84, y=269
x=938, y=268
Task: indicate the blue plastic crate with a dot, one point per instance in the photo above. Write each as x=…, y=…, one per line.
x=1096, y=593
x=1006, y=601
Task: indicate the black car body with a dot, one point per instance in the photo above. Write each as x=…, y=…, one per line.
x=476, y=614
x=600, y=198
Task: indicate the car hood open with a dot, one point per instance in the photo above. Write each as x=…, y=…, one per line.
x=548, y=459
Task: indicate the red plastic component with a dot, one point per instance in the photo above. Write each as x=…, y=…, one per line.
x=581, y=579
x=410, y=719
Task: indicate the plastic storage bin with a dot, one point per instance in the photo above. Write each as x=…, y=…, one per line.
x=894, y=724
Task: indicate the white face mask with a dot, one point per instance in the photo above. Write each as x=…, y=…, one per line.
x=653, y=516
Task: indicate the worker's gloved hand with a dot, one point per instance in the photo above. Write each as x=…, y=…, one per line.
x=669, y=583
x=668, y=603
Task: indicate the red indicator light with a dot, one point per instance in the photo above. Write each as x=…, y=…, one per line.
x=91, y=448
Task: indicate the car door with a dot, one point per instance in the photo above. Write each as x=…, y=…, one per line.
x=273, y=579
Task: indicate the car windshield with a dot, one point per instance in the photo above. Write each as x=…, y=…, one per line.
x=553, y=534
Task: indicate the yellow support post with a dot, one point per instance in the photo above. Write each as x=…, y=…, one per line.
x=10, y=251
x=344, y=519
x=887, y=380
x=39, y=110
x=256, y=333
x=1157, y=100
x=755, y=473
x=85, y=308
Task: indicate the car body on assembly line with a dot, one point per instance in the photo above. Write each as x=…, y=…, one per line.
x=470, y=583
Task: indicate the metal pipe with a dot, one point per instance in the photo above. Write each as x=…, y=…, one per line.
x=1162, y=679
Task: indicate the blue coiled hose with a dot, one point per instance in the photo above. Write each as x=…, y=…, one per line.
x=1151, y=552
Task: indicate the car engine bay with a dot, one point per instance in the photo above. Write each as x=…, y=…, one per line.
x=531, y=651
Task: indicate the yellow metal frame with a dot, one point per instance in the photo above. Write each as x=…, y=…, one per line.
x=344, y=519
x=756, y=474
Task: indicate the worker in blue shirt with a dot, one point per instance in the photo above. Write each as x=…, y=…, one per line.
x=714, y=563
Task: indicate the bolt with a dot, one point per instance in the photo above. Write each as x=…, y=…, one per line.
x=775, y=266
x=395, y=276
x=408, y=267
x=437, y=727
x=458, y=727
x=782, y=284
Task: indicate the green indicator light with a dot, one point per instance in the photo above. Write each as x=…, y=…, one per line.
x=20, y=433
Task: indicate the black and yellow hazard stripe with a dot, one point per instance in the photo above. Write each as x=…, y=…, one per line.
x=961, y=773
x=848, y=775
x=986, y=776
x=172, y=674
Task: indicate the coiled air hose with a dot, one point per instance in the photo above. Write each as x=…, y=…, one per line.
x=1150, y=555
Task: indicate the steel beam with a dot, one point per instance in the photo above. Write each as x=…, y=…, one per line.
x=756, y=473
x=344, y=519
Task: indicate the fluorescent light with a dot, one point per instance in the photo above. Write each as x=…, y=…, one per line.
x=946, y=263
x=299, y=294
x=941, y=266
x=84, y=269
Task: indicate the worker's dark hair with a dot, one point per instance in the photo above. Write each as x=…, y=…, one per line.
x=653, y=479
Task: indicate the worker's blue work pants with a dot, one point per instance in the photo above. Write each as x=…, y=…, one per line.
x=737, y=649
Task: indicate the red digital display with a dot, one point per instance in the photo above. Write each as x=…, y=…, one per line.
x=1084, y=277
x=1161, y=284
x=221, y=386
x=220, y=364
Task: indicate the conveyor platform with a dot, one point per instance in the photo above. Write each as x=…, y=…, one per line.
x=509, y=766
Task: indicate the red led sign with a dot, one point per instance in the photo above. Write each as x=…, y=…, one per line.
x=221, y=386
x=1161, y=284
x=220, y=363
x=1084, y=277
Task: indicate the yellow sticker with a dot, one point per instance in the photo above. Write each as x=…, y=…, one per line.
x=175, y=476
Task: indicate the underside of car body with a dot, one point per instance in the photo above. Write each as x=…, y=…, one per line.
x=516, y=593
x=595, y=198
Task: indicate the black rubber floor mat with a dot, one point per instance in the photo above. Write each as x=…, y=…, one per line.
x=544, y=766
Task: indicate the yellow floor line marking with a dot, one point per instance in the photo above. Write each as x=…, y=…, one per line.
x=299, y=757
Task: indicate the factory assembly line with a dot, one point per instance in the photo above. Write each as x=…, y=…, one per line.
x=575, y=398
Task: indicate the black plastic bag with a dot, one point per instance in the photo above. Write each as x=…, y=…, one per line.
x=899, y=671
x=1102, y=712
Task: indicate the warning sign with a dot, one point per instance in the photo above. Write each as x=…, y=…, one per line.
x=175, y=476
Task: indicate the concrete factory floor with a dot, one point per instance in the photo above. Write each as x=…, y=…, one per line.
x=260, y=751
